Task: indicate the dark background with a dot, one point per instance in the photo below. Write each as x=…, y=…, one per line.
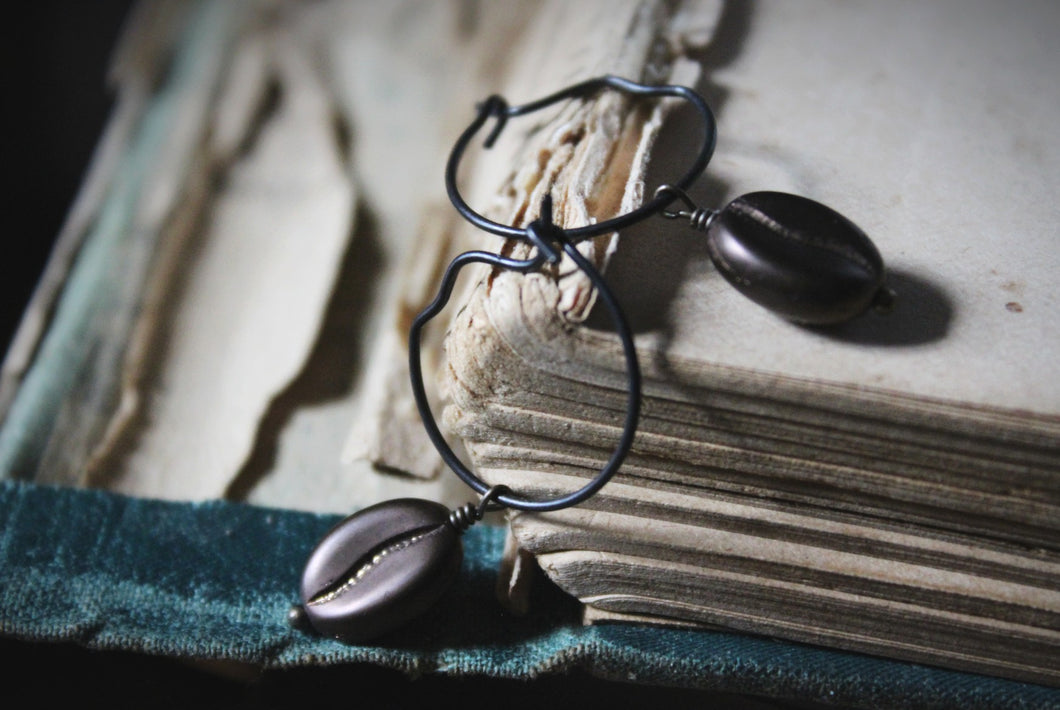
x=56, y=103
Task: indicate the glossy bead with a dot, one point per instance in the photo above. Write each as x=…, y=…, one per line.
x=380, y=568
x=796, y=257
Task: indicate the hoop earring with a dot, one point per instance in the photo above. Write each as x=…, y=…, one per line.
x=383, y=566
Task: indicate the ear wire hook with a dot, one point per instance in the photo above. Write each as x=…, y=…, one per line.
x=497, y=107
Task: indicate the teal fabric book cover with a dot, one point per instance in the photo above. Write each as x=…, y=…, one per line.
x=214, y=582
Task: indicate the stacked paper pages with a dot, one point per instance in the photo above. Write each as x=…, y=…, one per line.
x=892, y=486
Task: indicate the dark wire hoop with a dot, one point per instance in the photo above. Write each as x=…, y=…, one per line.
x=543, y=230
x=545, y=236
x=497, y=107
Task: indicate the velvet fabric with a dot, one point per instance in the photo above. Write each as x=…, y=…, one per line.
x=214, y=581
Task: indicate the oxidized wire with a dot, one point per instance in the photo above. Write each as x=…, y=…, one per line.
x=551, y=241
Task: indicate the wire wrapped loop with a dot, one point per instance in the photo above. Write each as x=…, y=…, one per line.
x=466, y=515
x=699, y=218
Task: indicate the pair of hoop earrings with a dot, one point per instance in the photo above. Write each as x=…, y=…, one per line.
x=385, y=565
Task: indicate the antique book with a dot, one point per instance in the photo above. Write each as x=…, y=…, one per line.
x=890, y=486
x=225, y=314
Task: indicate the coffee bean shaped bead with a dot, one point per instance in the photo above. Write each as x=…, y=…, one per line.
x=379, y=569
x=796, y=257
